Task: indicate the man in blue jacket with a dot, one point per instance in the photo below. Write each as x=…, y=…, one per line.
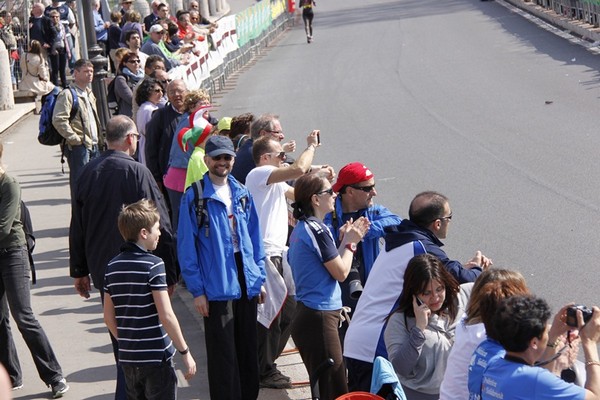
x=355, y=186
x=429, y=219
x=222, y=261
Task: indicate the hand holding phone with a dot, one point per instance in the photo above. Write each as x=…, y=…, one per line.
x=421, y=313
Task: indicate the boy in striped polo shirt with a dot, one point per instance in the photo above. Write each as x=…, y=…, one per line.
x=137, y=309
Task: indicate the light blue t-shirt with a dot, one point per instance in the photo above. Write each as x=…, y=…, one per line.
x=511, y=380
x=486, y=353
x=312, y=245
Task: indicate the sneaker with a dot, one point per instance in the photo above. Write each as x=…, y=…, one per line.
x=276, y=381
x=59, y=388
x=17, y=387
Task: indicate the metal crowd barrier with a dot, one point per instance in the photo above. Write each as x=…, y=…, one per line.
x=584, y=10
x=237, y=59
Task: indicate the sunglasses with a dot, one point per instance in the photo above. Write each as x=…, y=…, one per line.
x=366, y=189
x=226, y=157
x=134, y=61
x=328, y=191
x=281, y=155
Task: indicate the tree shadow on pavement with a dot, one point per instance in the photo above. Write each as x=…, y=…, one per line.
x=549, y=44
x=94, y=374
x=379, y=11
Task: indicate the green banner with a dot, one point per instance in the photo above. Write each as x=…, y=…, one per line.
x=251, y=22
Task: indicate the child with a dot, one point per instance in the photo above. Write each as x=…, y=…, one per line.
x=137, y=309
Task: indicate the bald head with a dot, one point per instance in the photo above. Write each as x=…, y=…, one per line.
x=176, y=91
x=37, y=9
x=118, y=129
x=426, y=207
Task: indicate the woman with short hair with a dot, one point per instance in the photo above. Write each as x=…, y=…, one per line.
x=148, y=96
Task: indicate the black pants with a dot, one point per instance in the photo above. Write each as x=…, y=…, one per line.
x=231, y=346
x=151, y=382
x=58, y=65
x=307, y=17
x=316, y=335
x=272, y=341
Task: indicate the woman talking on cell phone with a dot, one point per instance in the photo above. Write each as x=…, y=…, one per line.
x=420, y=332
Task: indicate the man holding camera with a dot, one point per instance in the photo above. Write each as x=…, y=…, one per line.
x=355, y=187
x=267, y=185
x=521, y=324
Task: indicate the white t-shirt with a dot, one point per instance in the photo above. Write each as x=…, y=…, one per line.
x=466, y=340
x=271, y=206
x=224, y=193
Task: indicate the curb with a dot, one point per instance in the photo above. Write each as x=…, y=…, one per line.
x=573, y=26
x=10, y=117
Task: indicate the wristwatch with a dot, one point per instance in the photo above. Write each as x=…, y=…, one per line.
x=351, y=247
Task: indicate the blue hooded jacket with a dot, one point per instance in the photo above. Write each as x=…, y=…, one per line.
x=207, y=257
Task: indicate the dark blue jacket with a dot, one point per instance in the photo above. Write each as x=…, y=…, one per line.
x=408, y=231
x=380, y=218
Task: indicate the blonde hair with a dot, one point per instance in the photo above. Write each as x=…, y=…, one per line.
x=134, y=217
x=193, y=97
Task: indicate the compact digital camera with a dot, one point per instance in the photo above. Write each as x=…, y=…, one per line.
x=572, y=314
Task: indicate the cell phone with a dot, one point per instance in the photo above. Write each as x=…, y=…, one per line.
x=318, y=137
x=419, y=302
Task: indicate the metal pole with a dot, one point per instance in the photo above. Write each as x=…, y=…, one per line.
x=82, y=32
x=100, y=63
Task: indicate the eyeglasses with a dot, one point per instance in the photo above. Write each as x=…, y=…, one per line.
x=328, y=191
x=134, y=61
x=276, y=132
x=226, y=157
x=366, y=189
x=157, y=90
x=133, y=134
x=280, y=154
x=449, y=217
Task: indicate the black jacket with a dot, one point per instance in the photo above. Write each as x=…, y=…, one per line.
x=105, y=185
x=159, y=136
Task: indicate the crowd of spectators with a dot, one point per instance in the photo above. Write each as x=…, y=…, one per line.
x=232, y=198
x=55, y=26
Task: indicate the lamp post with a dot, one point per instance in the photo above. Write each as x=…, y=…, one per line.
x=100, y=63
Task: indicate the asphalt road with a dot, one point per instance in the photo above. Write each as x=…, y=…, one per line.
x=464, y=97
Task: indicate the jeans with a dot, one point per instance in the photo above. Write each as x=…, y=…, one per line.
x=78, y=157
x=151, y=382
x=14, y=290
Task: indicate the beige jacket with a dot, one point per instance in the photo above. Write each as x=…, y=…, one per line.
x=77, y=131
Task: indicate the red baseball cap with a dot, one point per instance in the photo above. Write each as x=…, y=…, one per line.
x=352, y=174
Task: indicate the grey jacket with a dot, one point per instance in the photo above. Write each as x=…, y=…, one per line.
x=420, y=358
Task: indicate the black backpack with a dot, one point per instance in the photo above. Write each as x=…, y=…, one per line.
x=111, y=98
x=48, y=135
x=28, y=229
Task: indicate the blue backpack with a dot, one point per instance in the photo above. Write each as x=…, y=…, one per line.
x=48, y=134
